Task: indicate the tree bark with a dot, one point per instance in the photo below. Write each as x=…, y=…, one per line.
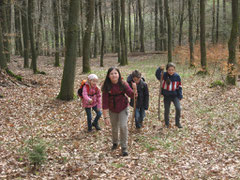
x=232, y=43
x=162, y=31
x=56, y=28
x=102, y=32
x=213, y=23
x=38, y=34
x=117, y=31
x=190, y=38
x=25, y=35
x=3, y=61
x=87, y=36
x=130, y=25
x=202, y=36
x=124, y=60
x=156, y=39
x=169, y=30
x=141, y=23
x=181, y=23
x=67, y=84
x=217, y=22
x=31, y=34
x=96, y=30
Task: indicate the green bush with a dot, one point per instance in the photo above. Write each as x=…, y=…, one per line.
x=217, y=83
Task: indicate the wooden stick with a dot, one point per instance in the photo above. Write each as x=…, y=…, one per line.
x=134, y=110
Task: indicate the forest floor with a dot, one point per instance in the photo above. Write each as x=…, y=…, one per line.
x=207, y=147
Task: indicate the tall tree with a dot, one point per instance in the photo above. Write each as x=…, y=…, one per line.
x=202, y=36
x=162, y=28
x=102, y=32
x=141, y=23
x=181, y=23
x=25, y=34
x=123, y=39
x=130, y=25
x=224, y=20
x=96, y=33
x=232, y=43
x=56, y=28
x=190, y=32
x=38, y=30
x=213, y=23
x=117, y=30
x=3, y=61
x=156, y=39
x=87, y=35
x=67, y=84
x=169, y=30
x=217, y=22
x=31, y=34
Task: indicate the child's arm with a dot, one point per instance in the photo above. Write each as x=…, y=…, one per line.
x=129, y=91
x=105, y=107
x=158, y=72
x=179, y=89
x=85, y=94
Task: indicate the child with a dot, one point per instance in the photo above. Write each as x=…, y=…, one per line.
x=142, y=99
x=172, y=92
x=115, y=101
x=92, y=99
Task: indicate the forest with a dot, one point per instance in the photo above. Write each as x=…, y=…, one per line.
x=47, y=49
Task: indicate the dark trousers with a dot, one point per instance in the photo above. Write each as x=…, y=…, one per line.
x=89, y=116
x=167, y=103
x=139, y=116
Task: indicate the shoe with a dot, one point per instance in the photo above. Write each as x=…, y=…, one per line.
x=89, y=130
x=114, y=146
x=167, y=125
x=124, y=152
x=179, y=125
x=96, y=126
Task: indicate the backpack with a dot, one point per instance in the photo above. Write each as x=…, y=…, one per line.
x=80, y=90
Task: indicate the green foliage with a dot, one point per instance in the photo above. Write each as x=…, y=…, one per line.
x=217, y=83
x=10, y=73
x=202, y=73
x=231, y=79
x=36, y=151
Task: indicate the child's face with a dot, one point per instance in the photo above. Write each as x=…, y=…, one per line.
x=93, y=82
x=114, y=76
x=171, y=71
x=136, y=80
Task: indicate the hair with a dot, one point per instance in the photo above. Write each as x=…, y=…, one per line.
x=168, y=81
x=170, y=65
x=107, y=85
x=136, y=74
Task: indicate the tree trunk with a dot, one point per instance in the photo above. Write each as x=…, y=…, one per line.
x=117, y=32
x=224, y=20
x=156, y=27
x=12, y=31
x=190, y=38
x=38, y=34
x=181, y=24
x=213, y=23
x=5, y=31
x=124, y=60
x=197, y=21
x=232, y=43
x=202, y=36
x=169, y=30
x=56, y=28
x=112, y=28
x=162, y=33
x=3, y=61
x=25, y=35
x=102, y=32
x=87, y=36
x=130, y=25
x=18, y=41
x=31, y=34
x=217, y=22
x=136, y=30
x=141, y=23
x=67, y=84
x=96, y=31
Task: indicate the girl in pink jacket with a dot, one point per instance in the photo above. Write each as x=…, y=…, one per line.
x=92, y=100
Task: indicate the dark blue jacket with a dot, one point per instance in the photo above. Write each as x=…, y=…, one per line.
x=174, y=89
x=143, y=94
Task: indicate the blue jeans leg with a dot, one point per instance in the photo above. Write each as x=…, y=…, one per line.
x=98, y=115
x=89, y=118
x=137, y=117
x=142, y=115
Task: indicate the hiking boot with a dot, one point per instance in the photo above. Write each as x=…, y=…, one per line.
x=167, y=125
x=179, y=125
x=114, y=147
x=124, y=152
x=90, y=130
x=96, y=126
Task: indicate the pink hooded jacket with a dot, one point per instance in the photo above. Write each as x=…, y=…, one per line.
x=94, y=94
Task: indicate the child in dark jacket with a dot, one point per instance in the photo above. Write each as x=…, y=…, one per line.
x=172, y=92
x=142, y=101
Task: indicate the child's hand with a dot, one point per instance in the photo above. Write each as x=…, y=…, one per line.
x=162, y=67
x=107, y=121
x=90, y=101
x=134, y=86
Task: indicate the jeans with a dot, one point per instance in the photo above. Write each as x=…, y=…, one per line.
x=139, y=116
x=167, y=103
x=89, y=116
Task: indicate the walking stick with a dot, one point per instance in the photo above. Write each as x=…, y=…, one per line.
x=134, y=110
x=159, y=95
